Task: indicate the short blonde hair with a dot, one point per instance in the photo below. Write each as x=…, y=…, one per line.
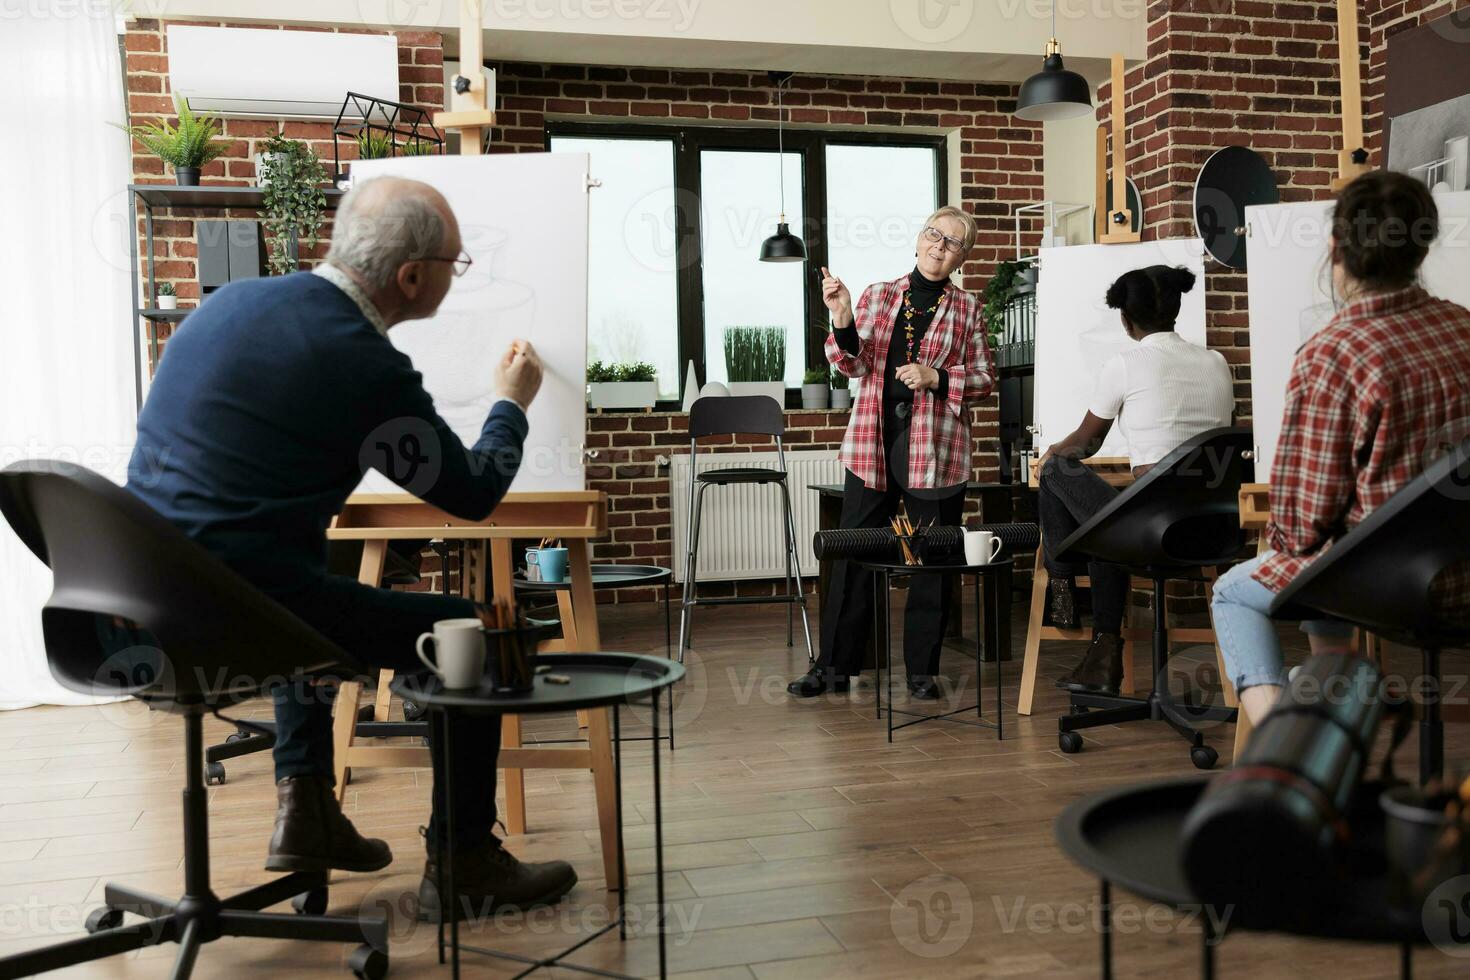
x=972, y=230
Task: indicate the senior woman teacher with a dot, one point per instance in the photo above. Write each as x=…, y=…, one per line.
x=920, y=343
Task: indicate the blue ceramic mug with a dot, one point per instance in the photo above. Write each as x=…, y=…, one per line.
x=553, y=562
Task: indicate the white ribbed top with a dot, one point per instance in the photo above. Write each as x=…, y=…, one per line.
x=1163, y=391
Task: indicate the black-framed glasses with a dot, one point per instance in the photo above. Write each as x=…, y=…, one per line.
x=951, y=244
x=461, y=262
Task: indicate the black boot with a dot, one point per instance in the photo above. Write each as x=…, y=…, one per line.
x=923, y=688
x=1061, y=603
x=1101, y=669
x=313, y=835
x=816, y=681
x=488, y=879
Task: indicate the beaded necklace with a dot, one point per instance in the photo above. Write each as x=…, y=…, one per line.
x=908, y=320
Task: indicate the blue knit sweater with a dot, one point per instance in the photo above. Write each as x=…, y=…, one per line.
x=271, y=401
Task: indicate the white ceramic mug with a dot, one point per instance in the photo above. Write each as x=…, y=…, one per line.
x=981, y=547
x=459, y=648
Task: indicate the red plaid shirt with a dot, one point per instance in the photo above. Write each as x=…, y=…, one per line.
x=1374, y=397
x=939, y=435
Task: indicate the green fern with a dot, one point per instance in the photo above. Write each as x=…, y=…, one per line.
x=191, y=144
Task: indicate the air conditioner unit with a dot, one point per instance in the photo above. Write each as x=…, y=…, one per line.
x=241, y=71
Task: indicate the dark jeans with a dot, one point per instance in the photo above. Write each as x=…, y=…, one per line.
x=847, y=620
x=1071, y=494
x=379, y=627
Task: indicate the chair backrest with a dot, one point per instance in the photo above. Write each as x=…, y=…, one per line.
x=1381, y=574
x=1184, y=512
x=725, y=415
x=122, y=572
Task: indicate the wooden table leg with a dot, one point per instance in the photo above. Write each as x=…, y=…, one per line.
x=344, y=722
x=584, y=597
x=1030, y=659
x=370, y=572
x=604, y=781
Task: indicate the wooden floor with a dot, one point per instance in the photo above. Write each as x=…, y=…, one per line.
x=799, y=842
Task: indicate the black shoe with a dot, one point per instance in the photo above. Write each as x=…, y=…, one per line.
x=312, y=834
x=817, y=681
x=1061, y=603
x=923, y=688
x=1101, y=669
x=489, y=879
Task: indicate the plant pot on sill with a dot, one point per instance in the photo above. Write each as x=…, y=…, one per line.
x=814, y=395
x=774, y=389
x=622, y=395
x=842, y=399
x=166, y=302
x=186, y=176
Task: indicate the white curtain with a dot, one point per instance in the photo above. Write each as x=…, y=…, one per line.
x=66, y=351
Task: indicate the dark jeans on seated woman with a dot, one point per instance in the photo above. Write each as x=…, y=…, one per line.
x=847, y=618
x=1072, y=494
x=378, y=628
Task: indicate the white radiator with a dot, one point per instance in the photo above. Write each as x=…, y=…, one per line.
x=740, y=532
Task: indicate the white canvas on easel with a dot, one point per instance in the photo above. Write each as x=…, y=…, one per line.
x=523, y=219
x=1289, y=283
x=1076, y=332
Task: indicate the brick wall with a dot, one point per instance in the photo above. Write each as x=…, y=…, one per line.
x=421, y=82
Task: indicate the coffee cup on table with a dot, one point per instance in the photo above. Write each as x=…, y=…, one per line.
x=553, y=564
x=459, y=652
x=981, y=547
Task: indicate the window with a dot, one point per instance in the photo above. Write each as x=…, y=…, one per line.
x=677, y=226
x=632, y=271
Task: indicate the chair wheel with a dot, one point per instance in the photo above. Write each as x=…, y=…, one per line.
x=367, y=712
x=312, y=902
x=1079, y=709
x=412, y=710
x=214, y=773
x=107, y=917
x=1069, y=742
x=1203, y=757
x=367, y=963
x=237, y=736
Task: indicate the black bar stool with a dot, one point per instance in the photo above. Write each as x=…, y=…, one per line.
x=758, y=415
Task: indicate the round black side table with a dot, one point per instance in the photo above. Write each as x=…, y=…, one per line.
x=993, y=583
x=621, y=577
x=595, y=680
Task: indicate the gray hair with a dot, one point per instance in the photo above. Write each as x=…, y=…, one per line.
x=383, y=223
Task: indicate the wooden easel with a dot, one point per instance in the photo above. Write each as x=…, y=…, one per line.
x=1117, y=228
x=575, y=516
x=1352, y=158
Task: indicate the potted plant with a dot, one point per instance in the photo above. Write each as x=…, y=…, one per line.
x=995, y=297
x=420, y=148
x=186, y=147
x=841, y=396
x=622, y=386
x=165, y=297
x=293, y=205
x=814, y=388
x=373, y=145
x=755, y=360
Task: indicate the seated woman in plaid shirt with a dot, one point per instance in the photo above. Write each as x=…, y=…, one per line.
x=1370, y=398
x=920, y=340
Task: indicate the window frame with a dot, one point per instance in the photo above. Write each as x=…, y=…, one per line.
x=688, y=142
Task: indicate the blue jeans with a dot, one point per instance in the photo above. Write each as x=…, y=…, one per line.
x=1247, y=635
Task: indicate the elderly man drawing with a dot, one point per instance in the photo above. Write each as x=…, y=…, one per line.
x=271, y=402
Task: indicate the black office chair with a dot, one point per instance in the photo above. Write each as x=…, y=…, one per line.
x=1179, y=517
x=755, y=414
x=138, y=609
x=1381, y=576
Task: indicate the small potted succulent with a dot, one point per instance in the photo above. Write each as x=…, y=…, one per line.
x=755, y=361
x=841, y=396
x=622, y=386
x=186, y=147
x=814, y=388
x=165, y=296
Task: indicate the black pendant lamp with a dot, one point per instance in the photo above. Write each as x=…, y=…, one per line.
x=782, y=246
x=1054, y=92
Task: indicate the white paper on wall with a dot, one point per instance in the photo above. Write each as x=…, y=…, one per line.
x=1076, y=332
x=523, y=219
x=1290, y=292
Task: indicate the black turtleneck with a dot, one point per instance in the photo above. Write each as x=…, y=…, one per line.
x=922, y=294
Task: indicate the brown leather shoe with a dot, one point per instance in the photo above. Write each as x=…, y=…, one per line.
x=312, y=834
x=489, y=879
x=1101, y=669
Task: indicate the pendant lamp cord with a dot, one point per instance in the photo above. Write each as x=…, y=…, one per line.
x=781, y=147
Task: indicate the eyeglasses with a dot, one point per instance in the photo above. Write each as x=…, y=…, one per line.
x=933, y=234
x=461, y=262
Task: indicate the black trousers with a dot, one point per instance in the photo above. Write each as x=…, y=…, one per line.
x=847, y=619
x=379, y=628
x=1071, y=494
